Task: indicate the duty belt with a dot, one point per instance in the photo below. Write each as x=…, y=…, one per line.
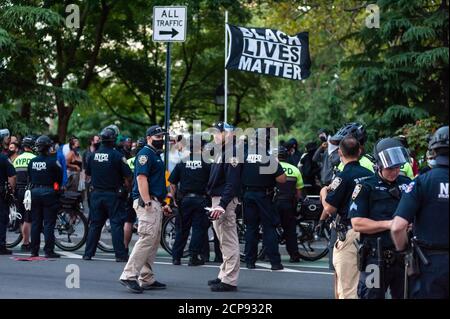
x=265, y=190
x=192, y=195
x=42, y=186
x=390, y=256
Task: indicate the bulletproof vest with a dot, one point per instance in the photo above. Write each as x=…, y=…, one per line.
x=288, y=189
x=21, y=166
x=130, y=162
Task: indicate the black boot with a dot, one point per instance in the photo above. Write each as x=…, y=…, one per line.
x=195, y=261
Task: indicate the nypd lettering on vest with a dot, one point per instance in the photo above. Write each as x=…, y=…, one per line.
x=38, y=166
x=193, y=164
x=443, y=191
x=101, y=157
x=254, y=158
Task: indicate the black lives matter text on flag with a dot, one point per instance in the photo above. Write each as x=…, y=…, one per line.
x=270, y=52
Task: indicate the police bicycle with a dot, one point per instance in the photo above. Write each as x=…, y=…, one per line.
x=312, y=246
x=71, y=227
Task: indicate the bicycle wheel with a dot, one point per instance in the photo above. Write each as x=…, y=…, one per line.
x=168, y=236
x=71, y=229
x=312, y=247
x=105, y=243
x=13, y=231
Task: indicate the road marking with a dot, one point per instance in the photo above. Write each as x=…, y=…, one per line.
x=70, y=255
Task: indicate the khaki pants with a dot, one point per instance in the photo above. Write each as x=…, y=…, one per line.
x=344, y=261
x=140, y=263
x=226, y=231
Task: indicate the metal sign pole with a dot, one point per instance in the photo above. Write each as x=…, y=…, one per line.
x=167, y=106
x=225, y=109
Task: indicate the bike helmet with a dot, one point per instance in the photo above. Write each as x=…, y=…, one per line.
x=282, y=152
x=439, y=139
x=28, y=141
x=390, y=153
x=43, y=143
x=357, y=130
x=108, y=134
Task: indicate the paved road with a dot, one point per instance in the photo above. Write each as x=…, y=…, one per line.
x=99, y=279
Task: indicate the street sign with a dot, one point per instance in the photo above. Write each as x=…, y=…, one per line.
x=169, y=24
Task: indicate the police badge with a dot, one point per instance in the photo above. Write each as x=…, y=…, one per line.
x=142, y=159
x=234, y=161
x=356, y=191
x=335, y=184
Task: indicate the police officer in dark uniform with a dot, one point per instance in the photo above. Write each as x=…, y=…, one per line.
x=286, y=198
x=7, y=179
x=425, y=204
x=372, y=209
x=45, y=174
x=192, y=174
x=335, y=200
x=21, y=166
x=224, y=188
x=260, y=173
x=108, y=170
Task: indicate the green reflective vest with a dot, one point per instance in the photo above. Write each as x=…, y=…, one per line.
x=363, y=161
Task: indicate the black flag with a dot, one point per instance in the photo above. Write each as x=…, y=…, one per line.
x=267, y=51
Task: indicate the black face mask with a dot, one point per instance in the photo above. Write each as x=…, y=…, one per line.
x=11, y=153
x=158, y=144
x=96, y=145
x=323, y=138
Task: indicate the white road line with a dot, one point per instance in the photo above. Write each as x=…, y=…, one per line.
x=70, y=255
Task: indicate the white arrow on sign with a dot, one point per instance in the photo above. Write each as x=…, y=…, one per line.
x=169, y=24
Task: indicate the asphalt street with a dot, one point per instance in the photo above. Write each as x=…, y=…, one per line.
x=99, y=279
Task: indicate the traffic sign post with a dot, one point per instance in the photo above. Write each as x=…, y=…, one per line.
x=169, y=25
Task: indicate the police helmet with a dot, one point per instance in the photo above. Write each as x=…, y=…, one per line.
x=439, y=139
x=28, y=141
x=108, y=134
x=390, y=153
x=115, y=128
x=141, y=142
x=282, y=152
x=357, y=130
x=4, y=133
x=43, y=143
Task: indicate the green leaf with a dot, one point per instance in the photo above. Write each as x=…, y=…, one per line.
x=418, y=33
x=27, y=16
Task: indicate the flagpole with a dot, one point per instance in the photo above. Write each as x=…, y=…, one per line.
x=225, y=110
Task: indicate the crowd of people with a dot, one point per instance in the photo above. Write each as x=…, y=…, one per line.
x=374, y=199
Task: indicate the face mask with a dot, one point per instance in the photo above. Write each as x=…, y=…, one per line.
x=11, y=152
x=323, y=138
x=158, y=144
x=431, y=162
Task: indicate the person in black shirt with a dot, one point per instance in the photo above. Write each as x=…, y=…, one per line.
x=45, y=174
x=108, y=170
x=192, y=175
x=7, y=177
x=223, y=187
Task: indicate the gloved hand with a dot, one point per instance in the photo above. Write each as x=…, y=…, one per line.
x=319, y=228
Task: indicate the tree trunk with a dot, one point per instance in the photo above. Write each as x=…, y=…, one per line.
x=25, y=112
x=64, y=114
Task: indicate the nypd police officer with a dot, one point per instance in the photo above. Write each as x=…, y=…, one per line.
x=260, y=173
x=149, y=193
x=286, y=198
x=373, y=204
x=45, y=174
x=108, y=170
x=21, y=166
x=335, y=200
x=7, y=175
x=224, y=188
x=425, y=204
x=192, y=175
